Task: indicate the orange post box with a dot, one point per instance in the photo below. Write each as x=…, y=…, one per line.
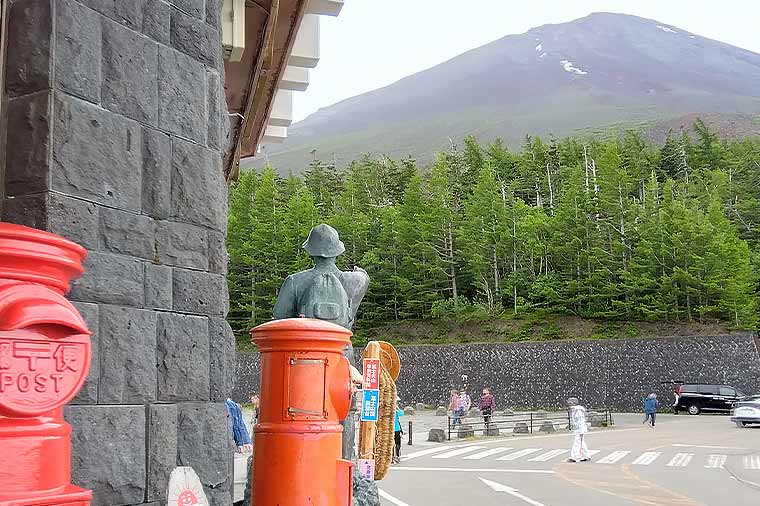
x=306, y=391
x=44, y=360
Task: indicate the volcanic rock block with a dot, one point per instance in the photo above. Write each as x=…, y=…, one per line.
x=465, y=430
x=437, y=435
x=123, y=90
x=119, y=473
x=520, y=428
x=419, y=406
x=492, y=431
x=596, y=419
x=441, y=411
x=127, y=336
x=365, y=492
x=182, y=355
x=409, y=411
x=546, y=426
x=162, y=449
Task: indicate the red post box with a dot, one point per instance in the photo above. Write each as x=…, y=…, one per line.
x=305, y=392
x=44, y=360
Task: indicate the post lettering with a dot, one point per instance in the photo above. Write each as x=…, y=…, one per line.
x=5, y=380
x=23, y=383
x=40, y=382
x=56, y=381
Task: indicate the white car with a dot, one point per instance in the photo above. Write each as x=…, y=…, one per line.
x=746, y=411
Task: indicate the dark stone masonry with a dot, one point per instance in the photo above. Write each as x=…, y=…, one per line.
x=116, y=130
x=541, y=375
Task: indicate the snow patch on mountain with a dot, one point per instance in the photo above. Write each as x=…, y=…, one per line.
x=542, y=55
x=666, y=29
x=539, y=47
x=569, y=67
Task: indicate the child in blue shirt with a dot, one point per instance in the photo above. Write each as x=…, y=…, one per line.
x=397, y=433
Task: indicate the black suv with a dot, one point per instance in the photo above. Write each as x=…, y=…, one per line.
x=695, y=398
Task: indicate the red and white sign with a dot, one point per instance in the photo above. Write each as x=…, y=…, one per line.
x=371, y=373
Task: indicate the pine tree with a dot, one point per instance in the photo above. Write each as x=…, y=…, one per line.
x=482, y=236
x=610, y=229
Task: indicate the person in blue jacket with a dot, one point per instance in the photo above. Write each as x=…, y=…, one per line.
x=650, y=408
x=397, y=432
x=239, y=430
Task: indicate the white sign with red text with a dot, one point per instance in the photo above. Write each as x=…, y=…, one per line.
x=372, y=373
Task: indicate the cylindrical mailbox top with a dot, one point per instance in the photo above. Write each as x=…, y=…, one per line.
x=305, y=379
x=294, y=334
x=31, y=255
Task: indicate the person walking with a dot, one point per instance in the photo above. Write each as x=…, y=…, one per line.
x=397, y=433
x=239, y=430
x=454, y=405
x=577, y=414
x=453, y=400
x=464, y=403
x=650, y=408
x=486, y=405
x=255, y=401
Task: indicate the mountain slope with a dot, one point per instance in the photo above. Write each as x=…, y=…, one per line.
x=602, y=69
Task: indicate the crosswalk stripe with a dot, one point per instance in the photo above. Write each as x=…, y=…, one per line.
x=646, y=458
x=680, y=460
x=458, y=451
x=519, y=454
x=547, y=456
x=614, y=457
x=487, y=453
x=478, y=452
x=428, y=451
x=716, y=461
x=752, y=462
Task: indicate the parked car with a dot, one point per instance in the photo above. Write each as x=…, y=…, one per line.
x=746, y=411
x=695, y=398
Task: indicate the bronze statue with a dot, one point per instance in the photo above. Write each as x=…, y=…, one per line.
x=326, y=293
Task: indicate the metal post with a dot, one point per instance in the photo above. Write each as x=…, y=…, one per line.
x=531, y=422
x=448, y=430
x=410, y=433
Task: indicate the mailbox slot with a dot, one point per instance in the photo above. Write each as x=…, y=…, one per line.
x=305, y=387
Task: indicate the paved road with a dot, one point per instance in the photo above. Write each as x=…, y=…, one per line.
x=684, y=461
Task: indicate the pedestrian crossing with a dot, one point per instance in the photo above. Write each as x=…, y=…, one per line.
x=614, y=457
x=680, y=460
x=519, y=454
x=487, y=453
x=603, y=457
x=646, y=458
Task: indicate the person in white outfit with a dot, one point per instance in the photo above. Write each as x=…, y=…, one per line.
x=579, y=451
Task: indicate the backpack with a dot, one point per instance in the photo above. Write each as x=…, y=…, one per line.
x=326, y=299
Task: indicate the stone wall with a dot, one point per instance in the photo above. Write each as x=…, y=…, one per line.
x=541, y=375
x=117, y=126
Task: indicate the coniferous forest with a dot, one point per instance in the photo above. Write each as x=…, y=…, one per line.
x=614, y=229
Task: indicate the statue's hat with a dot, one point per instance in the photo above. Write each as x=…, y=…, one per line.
x=323, y=241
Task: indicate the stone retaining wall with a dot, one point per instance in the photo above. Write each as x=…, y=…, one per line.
x=541, y=375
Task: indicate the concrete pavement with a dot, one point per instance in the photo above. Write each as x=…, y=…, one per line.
x=684, y=461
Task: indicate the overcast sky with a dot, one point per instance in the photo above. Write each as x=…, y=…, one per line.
x=374, y=43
